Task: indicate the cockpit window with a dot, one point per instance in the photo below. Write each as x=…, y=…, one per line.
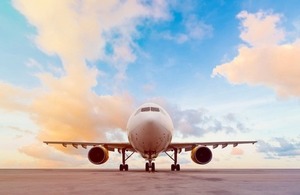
x=145, y=109
x=148, y=109
x=154, y=109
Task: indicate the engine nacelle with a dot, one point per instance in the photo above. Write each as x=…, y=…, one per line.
x=201, y=155
x=98, y=155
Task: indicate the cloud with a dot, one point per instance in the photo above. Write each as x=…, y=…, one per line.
x=196, y=29
x=280, y=147
x=18, y=129
x=47, y=157
x=148, y=87
x=231, y=118
x=193, y=29
x=13, y=98
x=117, y=136
x=83, y=29
x=237, y=151
x=65, y=106
x=199, y=122
x=261, y=28
x=266, y=58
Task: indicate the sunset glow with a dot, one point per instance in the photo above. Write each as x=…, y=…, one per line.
x=75, y=70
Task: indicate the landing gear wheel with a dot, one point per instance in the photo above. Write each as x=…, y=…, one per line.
x=173, y=167
x=178, y=167
x=153, y=167
x=126, y=167
x=147, y=166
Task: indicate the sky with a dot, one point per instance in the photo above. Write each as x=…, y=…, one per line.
x=75, y=70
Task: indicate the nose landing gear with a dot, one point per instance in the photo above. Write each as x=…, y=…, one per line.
x=149, y=166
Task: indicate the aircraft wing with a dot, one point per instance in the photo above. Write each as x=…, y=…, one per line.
x=110, y=146
x=191, y=145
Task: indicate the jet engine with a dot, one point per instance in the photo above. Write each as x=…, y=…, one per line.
x=201, y=155
x=98, y=155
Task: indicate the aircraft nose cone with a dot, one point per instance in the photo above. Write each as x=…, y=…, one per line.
x=150, y=125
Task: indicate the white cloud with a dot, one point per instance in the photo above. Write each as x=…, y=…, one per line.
x=265, y=60
x=80, y=30
x=261, y=28
x=65, y=107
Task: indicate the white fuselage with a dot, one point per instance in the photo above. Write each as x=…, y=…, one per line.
x=150, y=130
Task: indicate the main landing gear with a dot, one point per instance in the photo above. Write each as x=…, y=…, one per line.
x=175, y=166
x=123, y=166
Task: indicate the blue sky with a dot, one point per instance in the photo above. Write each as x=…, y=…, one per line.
x=225, y=70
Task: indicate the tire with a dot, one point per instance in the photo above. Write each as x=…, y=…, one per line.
x=178, y=167
x=126, y=167
x=172, y=167
x=153, y=167
x=147, y=166
x=121, y=167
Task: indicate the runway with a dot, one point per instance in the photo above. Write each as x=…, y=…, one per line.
x=92, y=181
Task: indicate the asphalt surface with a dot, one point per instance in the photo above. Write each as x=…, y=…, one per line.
x=92, y=181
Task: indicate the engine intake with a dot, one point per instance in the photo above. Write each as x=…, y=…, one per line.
x=201, y=155
x=98, y=155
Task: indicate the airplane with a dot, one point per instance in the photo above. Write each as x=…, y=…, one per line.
x=150, y=130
